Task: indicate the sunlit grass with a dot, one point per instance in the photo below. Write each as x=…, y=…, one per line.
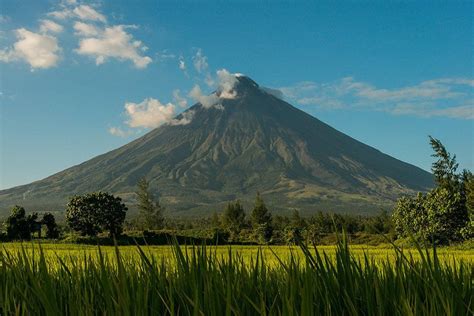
x=59, y=279
x=379, y=253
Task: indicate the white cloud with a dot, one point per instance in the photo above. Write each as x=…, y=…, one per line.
x=84, y=29
x=38, y=50
x=113, y=42
x=225, y=90
x=200, y=61
x=165, y=55
x=50, y=26
x=117, y=131
x=438, y=97
x=150, y=113
x=86, y=12
x=61, y=15
x=206, y=101
x=462, y=111
x=227, y=82
x=181, y=101
x=182, y=64
x=427, y=110
x=425, y=90
x=209, y=80
x=82, y=12
x=184, y=119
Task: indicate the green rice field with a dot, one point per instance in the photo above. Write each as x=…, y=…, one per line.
x=65, y=279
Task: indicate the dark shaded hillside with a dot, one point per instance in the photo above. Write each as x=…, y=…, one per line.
x=256, y=142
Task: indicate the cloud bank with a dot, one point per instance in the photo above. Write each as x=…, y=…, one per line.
x=445, y=97
x=96, y=39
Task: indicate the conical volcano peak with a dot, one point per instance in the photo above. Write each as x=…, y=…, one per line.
x=245, y=82
x=235, y=85
x=238, y=140
x=238, y=85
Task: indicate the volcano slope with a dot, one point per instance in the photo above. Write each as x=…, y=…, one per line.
x=248, y=141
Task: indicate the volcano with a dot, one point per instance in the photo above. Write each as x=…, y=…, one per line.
x=249, y=140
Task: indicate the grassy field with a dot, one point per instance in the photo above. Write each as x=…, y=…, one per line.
x=271, y=254
x=64, y=279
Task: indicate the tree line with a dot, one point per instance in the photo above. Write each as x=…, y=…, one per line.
x=441, y=215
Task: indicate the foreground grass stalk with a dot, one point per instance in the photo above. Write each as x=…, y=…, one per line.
x=196, y=281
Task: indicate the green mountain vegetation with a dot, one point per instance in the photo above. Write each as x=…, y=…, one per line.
x=254, y=142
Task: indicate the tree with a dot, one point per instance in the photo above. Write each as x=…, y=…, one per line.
x=234, y=217
x=215, y=220
x=52, y=231
x=446, y=215
x=296, y=220
x=151, y=212
x=294, y=230
x=33, y=225
x=93, y=213
x=450, y=196
x=444, y=169
x=379, y=224
x=442, y=214
x=18, y=225
x=468, y=183
x=260, y=214
x=261, y=220
x=467, y=232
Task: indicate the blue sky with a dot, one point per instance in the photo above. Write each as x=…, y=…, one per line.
x=79, y=78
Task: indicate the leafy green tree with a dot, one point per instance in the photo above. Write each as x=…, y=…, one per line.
x=52, y=231
x=442, y=214
x=446, y=215
x=17, y=224
x=261, y=220
x=151, y=212
x=410, y=218
x=95, y=212
x=233, y=217
x=447, y=204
